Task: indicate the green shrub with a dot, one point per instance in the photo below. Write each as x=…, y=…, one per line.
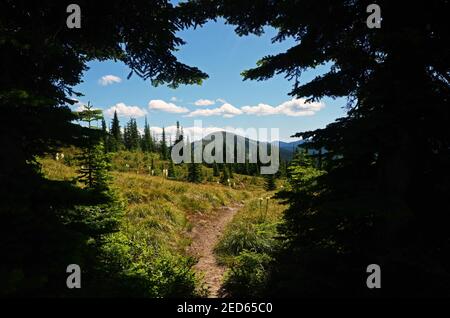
x=141, y=270
x=247, y=275
x=242, y=236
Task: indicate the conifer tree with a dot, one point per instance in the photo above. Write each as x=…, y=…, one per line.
x=116, y=134
x=105, y=136
x=282, y=171
x=246, y=167
x=126, y=137
x=376, y=193
x=171, y=173
x=195, y=174
x=224, y=179
x=178, y=133
x=93, y=161
x=135, y=136
x=42, y=63
x=216, y=171
x=230, y=169
x=270, y=183
x=147, y=141
x=131, y=136
x=163, y=147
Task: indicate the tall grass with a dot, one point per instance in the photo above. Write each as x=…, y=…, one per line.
x=150, y=248
x=247, y=244
x=252, y=229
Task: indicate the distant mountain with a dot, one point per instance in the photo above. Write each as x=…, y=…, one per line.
x=286, y=149
x=292, y=144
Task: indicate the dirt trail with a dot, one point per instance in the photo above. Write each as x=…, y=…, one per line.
x=205, y=234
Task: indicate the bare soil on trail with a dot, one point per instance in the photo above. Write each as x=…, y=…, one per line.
x=206, y=231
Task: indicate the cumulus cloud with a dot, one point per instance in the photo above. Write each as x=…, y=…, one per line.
x=260, y=110
x=125, y=110
x=80, y=106
x=293, y=107
x=204, y=102
x=226, y=110
x=158, y=104
x=109, y=79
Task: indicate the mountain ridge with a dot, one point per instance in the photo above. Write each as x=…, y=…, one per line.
x=286, y=149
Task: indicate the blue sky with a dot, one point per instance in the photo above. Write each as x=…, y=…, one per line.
x=219, y=52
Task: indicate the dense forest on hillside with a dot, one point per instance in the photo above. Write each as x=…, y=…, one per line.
x=372, y=191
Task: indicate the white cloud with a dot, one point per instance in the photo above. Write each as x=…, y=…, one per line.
x=293, y=107
x=259, y=110
x=79, y=106
x=226, y=110
x=109, y=79
x=125, y=110
x=299, y=107
x=204, y=102
x=196, y=133
x=175, y=99
x=158, y=104
x=221, y=100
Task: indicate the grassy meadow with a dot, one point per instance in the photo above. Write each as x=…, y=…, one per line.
x=155, y=227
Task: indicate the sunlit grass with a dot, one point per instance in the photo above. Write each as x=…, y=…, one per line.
x=253, y=228
x=156, y=223
x=157, y=208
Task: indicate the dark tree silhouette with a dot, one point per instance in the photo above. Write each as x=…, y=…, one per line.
x=270, y=184
x=147, y=140
x=116, y=134
x=41, y=60
x=381, y=200
x=164, y=149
